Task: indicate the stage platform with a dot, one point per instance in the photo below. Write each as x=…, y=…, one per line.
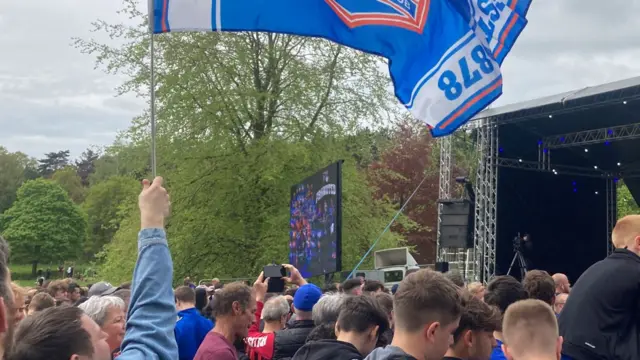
x=550, y=167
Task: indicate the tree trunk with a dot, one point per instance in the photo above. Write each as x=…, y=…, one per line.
x=34, y=268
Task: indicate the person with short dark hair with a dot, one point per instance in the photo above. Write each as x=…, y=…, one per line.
x=352, y=287
x=39, y=302
x=73, y=292
x=501, y=292
x=530, y=331
x=473, y=339
x=427, y=309
x=59, y=333
x=234, y=311
x=540, y=285
x=359, y=324
x=456, y=277
x=373, y=286
x=386, y=302
x=191, y=327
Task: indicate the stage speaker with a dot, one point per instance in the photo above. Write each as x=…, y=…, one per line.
x=442, y=267
x=456, y=224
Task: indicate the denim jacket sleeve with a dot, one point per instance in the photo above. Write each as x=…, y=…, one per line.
x=152, y=313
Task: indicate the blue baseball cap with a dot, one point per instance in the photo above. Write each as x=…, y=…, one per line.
x=394, y=288
x=306, y=296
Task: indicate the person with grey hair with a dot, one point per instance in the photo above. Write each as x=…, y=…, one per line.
x=275, y=314
x=109, y=313
x=325, y=315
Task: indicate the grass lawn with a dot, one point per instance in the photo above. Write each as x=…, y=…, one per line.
x=21, y=274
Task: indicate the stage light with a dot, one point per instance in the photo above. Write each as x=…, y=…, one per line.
x=624, y=102
x=586, y=150
x=539, y=142
x=596, y=193
x=501, y=149
x=615, y=180
x=607, y=143
x=619, y=164
x=550, y=116
x=562, y=139
x=573, y=183
x=595, y=167
x=575, y=190
x=519, y=160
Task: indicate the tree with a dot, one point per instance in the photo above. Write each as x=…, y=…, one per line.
x=15, y=168
x=627, y=205
x=86, y=165
x=241, y=118
x=43, y=225
x=399, y=173
x=52, y=162
x=104, y=207
x=70, y=181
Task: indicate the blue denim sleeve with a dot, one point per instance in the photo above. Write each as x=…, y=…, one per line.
x=152, y=312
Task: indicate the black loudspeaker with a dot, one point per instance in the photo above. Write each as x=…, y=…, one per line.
x=442, y=267
x=456, y=224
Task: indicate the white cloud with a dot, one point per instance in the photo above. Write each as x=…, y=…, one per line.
x=52, y=98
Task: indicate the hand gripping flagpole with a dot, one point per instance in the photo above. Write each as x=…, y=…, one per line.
x=152, y=90
x=386, y=228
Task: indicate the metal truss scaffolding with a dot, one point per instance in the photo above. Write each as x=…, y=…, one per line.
x=484, y=252
x=612, y=210
x=597, y=136
x=454, y=256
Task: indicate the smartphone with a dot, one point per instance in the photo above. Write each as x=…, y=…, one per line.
x=275, y=274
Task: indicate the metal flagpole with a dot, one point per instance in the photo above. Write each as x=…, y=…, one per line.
x=152, y=90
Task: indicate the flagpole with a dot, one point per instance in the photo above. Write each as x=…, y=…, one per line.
x=152, y=91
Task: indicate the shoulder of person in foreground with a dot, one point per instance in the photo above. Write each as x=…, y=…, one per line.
x=152, y=313
x=215, y=354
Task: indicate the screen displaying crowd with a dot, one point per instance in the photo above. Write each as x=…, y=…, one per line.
x=314, y=242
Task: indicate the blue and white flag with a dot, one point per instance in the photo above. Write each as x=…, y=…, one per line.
x=444, y=55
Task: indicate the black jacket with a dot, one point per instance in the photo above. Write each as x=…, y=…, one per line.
x=290, y=340
x=328, y=350
x=601, y=319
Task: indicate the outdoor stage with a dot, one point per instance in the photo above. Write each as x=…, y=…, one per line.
x=549, y=167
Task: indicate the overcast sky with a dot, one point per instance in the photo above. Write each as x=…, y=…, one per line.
x=51, y=98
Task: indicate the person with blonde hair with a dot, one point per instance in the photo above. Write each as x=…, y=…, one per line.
x=19, y=295
x=600, y=319
x=477, y=290
x=530, y=331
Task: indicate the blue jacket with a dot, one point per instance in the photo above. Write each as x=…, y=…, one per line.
x=152, y=311
x=190, y=330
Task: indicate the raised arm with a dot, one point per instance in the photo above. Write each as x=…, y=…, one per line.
x=152, y=313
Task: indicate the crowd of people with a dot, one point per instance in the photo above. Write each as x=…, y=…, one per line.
x=428, y=316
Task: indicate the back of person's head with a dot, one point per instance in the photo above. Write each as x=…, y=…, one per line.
x=427, y=304
x=185, y=296
x=473, y=339
x=330, y=288
x=540, y=285
x=385, y=300
x=530, y=330
x=59, y=333
x=201, y=299
x=476, y=289
x=503, y=291
x=455, y=277
x=125, y=295
x=361, y=317
x=373, y=286
x=626, y=233
x=41, y=301
x=563, y=286
x=327, y=309
x=276, y=310
x=57, y=288
x=352, y=287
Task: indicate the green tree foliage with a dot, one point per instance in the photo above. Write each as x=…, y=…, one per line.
x=241, y=118
x=106, y=204
x=43, y=225
x=627, y=205
x=70, y=181
x=53, y=162
x=15, y=169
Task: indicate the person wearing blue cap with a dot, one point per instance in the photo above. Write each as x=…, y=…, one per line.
x=289, y=340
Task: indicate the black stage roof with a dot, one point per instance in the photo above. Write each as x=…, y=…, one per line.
x=595, y=130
